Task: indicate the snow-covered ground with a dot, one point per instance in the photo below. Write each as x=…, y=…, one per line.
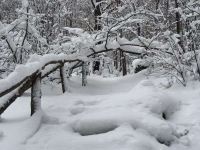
x=126, y=113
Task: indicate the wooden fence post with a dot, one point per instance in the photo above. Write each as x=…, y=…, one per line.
x=124, y=66
x=62, y=77
x=84, y=74
x=36, y=94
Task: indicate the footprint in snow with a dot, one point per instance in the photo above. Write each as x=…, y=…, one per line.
x=91, y=103
x=147, y=83
x=86, y=103
x=80, y=106
x=77, y=110
x=1, y=135
x=79, y=102
x=57, y=109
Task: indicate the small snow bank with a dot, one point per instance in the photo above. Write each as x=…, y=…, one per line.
x=1, y=134
x=19, y=133
x=97, y=85
x=125, y=137
x=138, y=139
x=143, y=108
x=46, y=119
x=90, y=126
x=31, y=126
x=154, y=99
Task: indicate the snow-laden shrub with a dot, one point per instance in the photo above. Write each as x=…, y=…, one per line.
x=139, y=65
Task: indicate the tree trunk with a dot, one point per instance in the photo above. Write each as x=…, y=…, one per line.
x=179, y=27
x=84, y=74
x=115, y=53
x=97, y=14
x=123, y=63
x=157, y=4
x=178, y=22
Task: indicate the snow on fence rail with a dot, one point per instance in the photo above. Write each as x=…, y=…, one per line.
x=34, y=65
x=29, y=75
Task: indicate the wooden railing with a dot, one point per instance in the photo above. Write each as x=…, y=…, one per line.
x=33, y=81
x=47, y=64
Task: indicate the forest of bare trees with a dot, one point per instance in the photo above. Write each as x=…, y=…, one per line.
x=162, y=35
x=99, y=74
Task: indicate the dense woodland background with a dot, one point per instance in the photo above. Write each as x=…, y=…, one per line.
x=124, y=36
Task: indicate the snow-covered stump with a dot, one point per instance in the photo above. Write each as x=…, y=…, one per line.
x=36, y=94
x=63, y=79
x=84, y=74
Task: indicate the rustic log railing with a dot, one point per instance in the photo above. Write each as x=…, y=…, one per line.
x=33, y=79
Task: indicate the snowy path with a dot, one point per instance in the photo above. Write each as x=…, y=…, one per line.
x=108, y=114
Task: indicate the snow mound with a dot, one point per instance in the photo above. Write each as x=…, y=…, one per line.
x=20, y=132
x=165, y=107
x=31, y=126
x=89, y=126
x=144, y=108
x=155, y=100
x=77, y=110
x=46, y=119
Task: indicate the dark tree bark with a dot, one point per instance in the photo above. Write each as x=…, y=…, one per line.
x=96, y=66
x=97, y=14
x=62, y=78
x=179, y=26
x=138, y=29
x=123, y=63
x=25, y=36
x=157, y=4
x=84, y=74
x=178, y=19
x=138, y=25
x=115, y=53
